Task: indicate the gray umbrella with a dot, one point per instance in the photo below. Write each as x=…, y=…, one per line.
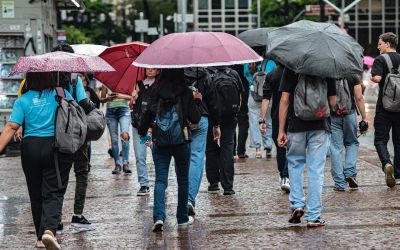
x=255, y=37
x=320, y=49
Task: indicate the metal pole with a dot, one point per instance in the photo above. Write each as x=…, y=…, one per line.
x=342, y=15
x=176, y=23
x=184, y=15
x=258, y=13
x=141, y=17
x=161, y=25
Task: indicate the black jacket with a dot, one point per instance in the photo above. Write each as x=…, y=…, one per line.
x=200, y=79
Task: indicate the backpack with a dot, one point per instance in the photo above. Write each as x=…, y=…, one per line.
x=142, y=104
x=391, y=88
x=70, y=124
x=310, y=98
x=258, y=84
x=169, y=128
x=227, y=90
x=344, y=104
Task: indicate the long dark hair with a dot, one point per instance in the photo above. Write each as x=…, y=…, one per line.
x=64, y=78
x=39, y=81
x=167, y=77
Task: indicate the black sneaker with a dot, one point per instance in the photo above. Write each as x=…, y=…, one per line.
x=389, y=175
x=243, y=156
x=229, y=192
x=337, y=189
x=352, y=182
x=143, y=191
x=191, y=209
x=60, y=228
x=117, y=169
x=316, y=223
x=296, y=215
x=158, y=226
x=213, y=189
x=268, y=153
x=81, y=223
x=110, y=152
x=126, y=169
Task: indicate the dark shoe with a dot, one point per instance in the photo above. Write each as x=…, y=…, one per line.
x=213, y=189
x=143, y=191
x=316, y=223
x=126, y=169
x=191, y=209
x=243, y=156
x=89, y=167
x=189, y=222
x=337, y=189
x=268, y=153
x=285, y=184
x=110, y=153
x=158, y=226
x=117, y=169
x=60, y=228
x=389, y=175
x=352, y=182
x=229, y=192
x=81, y=223
x=296, y=215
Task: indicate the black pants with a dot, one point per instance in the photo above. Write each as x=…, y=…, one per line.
x=40, y=173
x=383, y=122
x=81, y=173
x=280, y=152
x=219, y=159
x=243, y=133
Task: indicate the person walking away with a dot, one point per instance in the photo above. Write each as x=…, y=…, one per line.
x=219, y=153
x=344, y=131
x=166, y=124
x=307, y=139
x=387, y=118
x=199, y=80
x=140, y=102
x=271, y=90
x=118, y=113
x=35, y=110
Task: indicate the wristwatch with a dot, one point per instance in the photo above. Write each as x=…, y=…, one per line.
x=261, y=121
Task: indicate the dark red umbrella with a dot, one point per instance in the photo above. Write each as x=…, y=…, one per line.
x=121, y=57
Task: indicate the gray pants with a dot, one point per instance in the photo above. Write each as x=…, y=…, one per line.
x=81, y=173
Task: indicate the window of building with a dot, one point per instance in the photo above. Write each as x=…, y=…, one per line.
x=229, y=4
x=216, y=4
x=203, y=4
x=243, y=4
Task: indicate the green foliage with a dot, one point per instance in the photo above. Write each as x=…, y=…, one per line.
x=76, y=36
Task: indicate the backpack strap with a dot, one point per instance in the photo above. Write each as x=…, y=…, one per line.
x=263, y=65
x=388, y=62
x=60, y=93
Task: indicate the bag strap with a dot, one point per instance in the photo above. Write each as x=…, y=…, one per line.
x=388, y=62
x=263, y=65
x=60, y=92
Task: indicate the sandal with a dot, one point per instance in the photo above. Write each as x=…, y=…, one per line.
x=50, y=241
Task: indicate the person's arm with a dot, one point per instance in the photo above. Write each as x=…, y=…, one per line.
x=376, y=79
x=377, y=70
x=331, y=92
x=7, y=134
x=360, y=101
x=264, y=109
x=103, y=95
x=283, y=112
x=123, y=96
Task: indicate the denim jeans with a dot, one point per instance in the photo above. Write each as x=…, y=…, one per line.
x=257, y=140
x=140, y=156
x=307, y=148
x=122, y=117
x=343, y=133
x=162, y=159
x=198, y=150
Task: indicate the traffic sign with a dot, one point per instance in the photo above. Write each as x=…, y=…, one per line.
x=141, y=25
x=314, y=10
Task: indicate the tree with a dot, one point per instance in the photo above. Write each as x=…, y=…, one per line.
x=76, y=36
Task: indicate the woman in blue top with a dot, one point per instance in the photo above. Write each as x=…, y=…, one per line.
x=35, y=110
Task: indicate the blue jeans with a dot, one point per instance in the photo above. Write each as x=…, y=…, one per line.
x=122, y=117
x=198, y=150
x=307, y=148
x=140, y=156
x=256, y=138
x=344, y=133
x=162, y=159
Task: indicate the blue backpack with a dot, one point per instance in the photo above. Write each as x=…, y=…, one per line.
x=169, y=128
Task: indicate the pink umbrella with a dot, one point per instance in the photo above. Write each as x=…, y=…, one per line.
x=61, y=62
x=368, y=60
x=196, y=49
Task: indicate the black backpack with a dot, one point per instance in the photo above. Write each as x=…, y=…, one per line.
x=142, y=103
x=228, y=93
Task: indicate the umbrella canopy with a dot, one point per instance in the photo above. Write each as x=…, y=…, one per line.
x=61, y=62
x=255, y=37
x=88, y=49
x=121, y=56
x=312, y=48
x=368, y=60
x=196, y=49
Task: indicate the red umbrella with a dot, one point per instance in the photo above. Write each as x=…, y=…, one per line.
x=61, y=62
x=196, y=49
x=121, y=56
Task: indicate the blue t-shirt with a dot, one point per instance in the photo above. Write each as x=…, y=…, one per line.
x=80, y=90
x=271, y=65
x=38, y=111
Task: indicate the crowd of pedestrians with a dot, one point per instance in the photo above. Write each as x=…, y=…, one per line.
x=192, y=115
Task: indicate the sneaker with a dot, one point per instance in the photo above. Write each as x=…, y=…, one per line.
x=60, y=228
x=81, y=223
x=316, y=223
x=39, y=244
x=191, y=209
x=296, y=215
x=49, y=241
x=189, y=222
x=213, y=189
x=285, y=184
x=143, y=191
x=389, y=175
x=158, y=226
x=352, y=182
x=110, y=152
x=126, y=169
x=229, y=192
x=338, y=189
x=258, y=155
x=117, y=169
x=242, y=156
x=268, y=153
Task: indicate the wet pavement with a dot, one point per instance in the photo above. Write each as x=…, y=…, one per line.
x=255, y=218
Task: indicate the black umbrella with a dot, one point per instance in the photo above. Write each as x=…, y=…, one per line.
x=255, y=37
x=320, y=49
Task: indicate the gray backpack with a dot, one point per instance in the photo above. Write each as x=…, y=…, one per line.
x=96, y=124
x=70, y=124
x=391, y=88
x=344, y=105
x=258, y=83
x=310, y=98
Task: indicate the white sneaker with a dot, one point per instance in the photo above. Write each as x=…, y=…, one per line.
x=285, y=184
x=189, y=222
x=158, y=226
